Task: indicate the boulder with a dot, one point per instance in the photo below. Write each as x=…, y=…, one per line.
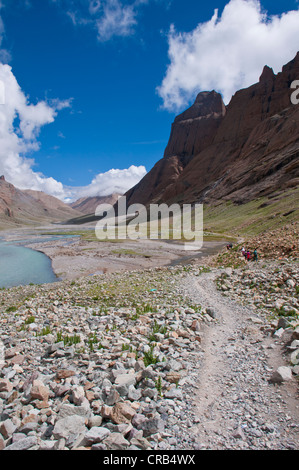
x=71, y=425
x=282, y=374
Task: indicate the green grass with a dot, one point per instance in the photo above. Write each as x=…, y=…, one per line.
x=11, y=309
x=45, y=331
x=130, y=253
x=149, y=357
x=254, y=217
x=29, y=320
x=226, y=220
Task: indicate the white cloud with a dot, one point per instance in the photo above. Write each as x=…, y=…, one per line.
x=112, y=181
x=94, y=6
x=109, y=18
x=116, y=20
x=20, y=124
x=228, y=52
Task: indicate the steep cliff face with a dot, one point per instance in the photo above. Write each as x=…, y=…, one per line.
x=191, y=132
x=243, y=151
x=194, y=129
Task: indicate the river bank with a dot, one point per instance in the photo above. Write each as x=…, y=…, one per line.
x=73, y=256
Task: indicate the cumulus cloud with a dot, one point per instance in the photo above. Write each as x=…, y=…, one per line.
x=112, y=181
x=20, y=125
x=228, y=52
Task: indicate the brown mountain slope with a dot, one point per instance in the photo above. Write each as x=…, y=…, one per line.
x=88, y=205
x=240, y=152
x=19, y=207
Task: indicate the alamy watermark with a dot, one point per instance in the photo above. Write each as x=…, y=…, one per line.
x=157, y=222
x=295, y=94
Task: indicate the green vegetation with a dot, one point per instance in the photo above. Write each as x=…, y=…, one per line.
x=281, y=312
x=67, y=340
x=149, y=357
x=29, y=320
x=252, y=218
x=45, y=331
x=93, y=342
x=70, y=340
x=130, y=252
x=12, y=309
x=157, y=329
x=159, y=386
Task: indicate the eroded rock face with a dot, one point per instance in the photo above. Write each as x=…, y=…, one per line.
x=194, y=129
x=240, y=152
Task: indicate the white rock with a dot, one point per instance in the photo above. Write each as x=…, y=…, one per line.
x=78, y=395
x=295, y=357
x=125, y=379
x=291, y=283
x=69, y=426
x=95, y=435
x=278, y=333
x=294, y=344
x=282, y=374
x=116, y=441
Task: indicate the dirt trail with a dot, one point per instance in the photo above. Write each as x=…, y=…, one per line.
x=235, y=405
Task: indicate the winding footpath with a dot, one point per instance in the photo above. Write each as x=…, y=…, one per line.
x=235, y=405
x=162, y=359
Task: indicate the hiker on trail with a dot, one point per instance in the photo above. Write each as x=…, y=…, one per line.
x=243, y=251
x=255, y=255
x=248, y=255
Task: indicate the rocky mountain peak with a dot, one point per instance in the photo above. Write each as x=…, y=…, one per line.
x=293, y=64
x=267, y=74
x=207, y=103
x=240, y=152
x=194, y=129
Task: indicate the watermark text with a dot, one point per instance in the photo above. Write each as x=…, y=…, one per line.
x=295, y=94
x=157, y=222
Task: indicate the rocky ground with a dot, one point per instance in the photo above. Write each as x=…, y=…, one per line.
x=247, y=390
x=186, y=357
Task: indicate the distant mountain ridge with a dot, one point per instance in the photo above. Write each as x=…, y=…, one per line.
x=238, y=152
x=88, y=205
x=27, y=207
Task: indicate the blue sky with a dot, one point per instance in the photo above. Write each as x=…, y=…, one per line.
x=103, y=80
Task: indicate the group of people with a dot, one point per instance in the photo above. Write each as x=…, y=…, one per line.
x=248, y=255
